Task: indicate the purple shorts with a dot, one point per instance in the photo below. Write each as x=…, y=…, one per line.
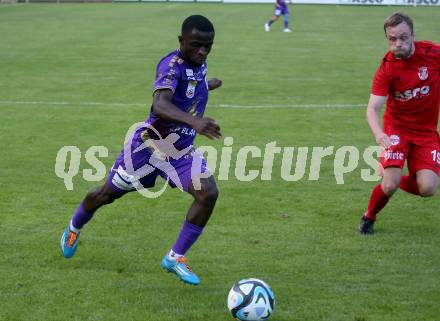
x=139, y=169
x=281, y=10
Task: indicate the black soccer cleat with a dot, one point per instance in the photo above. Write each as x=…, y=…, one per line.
x=366, y=226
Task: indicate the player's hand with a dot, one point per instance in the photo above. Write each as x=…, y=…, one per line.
x=383, y=140
x=214, y=83
x=206, y=126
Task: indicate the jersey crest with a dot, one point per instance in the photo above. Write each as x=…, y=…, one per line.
x=190, y=90
x=423, y=73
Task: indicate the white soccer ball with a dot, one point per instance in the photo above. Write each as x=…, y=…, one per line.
x=251, y=300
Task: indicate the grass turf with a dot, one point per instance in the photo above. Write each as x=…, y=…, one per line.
x=300, y=237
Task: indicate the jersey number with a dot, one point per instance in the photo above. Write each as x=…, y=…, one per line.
x=436, y=156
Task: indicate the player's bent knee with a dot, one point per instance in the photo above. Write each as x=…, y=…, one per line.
x=427, y=191
x=102, y=196
x=208, y=195
x=389, y=187
x=106, y=198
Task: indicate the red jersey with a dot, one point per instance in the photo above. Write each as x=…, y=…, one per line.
x=413, y=88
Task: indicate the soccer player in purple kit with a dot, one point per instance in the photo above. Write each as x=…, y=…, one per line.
x=281, y=8
x=180, y=95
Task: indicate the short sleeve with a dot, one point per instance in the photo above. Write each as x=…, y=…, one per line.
x=380, y=85
x=436, y=50
x=167, y=75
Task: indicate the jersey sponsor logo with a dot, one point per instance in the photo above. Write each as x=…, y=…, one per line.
x=183, y=130
x=393, y=155
x=423, y=73
x=189, y=72
x=395, y=140
x=412, y=93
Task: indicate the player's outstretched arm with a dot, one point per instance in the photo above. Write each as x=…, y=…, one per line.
x=214, y=83
x=164, y=108
x=374, y=106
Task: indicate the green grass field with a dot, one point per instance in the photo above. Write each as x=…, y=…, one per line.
x=81, y=75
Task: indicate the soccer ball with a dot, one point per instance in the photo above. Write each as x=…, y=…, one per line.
x=251, y=300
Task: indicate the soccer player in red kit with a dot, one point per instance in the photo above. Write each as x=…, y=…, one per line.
x=408, y=80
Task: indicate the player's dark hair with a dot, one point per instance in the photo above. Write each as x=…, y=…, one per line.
x=198, y=22
x=396, y=19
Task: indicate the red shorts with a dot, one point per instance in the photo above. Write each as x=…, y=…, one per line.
x=422, y=151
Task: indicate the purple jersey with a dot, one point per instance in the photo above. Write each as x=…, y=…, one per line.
x=171, y=154
x=190, y=94
x=281, y=4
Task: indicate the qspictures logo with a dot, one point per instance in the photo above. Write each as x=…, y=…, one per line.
x=226, y=163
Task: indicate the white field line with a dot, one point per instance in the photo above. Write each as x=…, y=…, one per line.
x=90, y=103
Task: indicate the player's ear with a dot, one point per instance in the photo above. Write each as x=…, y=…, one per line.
x=180, y=40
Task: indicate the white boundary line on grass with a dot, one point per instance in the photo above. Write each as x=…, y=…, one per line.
x=66, y=103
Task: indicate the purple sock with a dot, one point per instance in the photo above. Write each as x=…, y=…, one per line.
x=187, y=237
x=286, y=24
x=270, y=22
x=81, y=217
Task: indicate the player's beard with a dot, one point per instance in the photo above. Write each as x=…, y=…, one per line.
x=404, y=54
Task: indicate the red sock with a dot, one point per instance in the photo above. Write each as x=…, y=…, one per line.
x=378, y=200
x=409, y=185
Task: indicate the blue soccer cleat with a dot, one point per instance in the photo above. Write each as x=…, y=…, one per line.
x=69, y=242
x=181, y=269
